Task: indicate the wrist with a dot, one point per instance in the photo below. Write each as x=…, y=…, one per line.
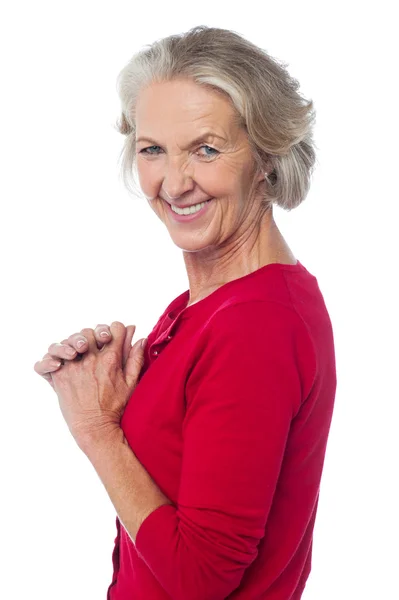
x=104, y=440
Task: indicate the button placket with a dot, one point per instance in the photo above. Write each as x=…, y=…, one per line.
x=155, y=353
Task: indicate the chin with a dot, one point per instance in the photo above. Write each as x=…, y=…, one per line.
x=191, y=247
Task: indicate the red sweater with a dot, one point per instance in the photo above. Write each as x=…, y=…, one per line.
x=230, y=418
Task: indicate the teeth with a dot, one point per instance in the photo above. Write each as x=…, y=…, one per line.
x=189, y=210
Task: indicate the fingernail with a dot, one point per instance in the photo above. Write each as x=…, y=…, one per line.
x=104, y=334
x=55, y=363
x=70, y=351
x=81, y=343
x=143, y=343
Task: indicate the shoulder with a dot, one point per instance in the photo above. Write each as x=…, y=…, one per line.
x=265, y=331
x=257, y=320
x=252, y=351
x=266, y=341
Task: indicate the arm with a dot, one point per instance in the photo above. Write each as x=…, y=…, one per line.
x=242, y=393
x=132, y=491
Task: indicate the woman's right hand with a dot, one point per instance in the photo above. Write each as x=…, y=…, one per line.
x=68, y=349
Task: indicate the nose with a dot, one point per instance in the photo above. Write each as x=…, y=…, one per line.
x=171, y=197
x=176, y=182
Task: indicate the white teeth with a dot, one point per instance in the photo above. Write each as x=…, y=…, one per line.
x=189, y=210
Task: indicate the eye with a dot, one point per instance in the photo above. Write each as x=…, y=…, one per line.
x=144, y=150
x=150, y=151
x=213, y=153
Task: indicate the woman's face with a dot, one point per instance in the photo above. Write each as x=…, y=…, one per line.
x=190, y=148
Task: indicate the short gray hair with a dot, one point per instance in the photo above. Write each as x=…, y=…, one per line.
x=277, y=118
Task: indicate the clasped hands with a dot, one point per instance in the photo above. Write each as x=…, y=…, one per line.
x=96, y=379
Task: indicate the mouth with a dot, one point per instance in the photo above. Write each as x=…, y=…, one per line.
x=191, y=216
x=188, y=205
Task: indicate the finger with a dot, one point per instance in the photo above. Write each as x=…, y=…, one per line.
x=134, y=364
x=130, y=331
x=47, y=365
x=91, y=340
x=80, y=343
x=118, y=332
x=103, y=335
x=65, y=342
x=75, y=340
x=61, y=350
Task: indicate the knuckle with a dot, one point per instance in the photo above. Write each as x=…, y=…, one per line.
x=73, y=339
x=99, y=331
x=41, y=367
x=60, y=350
x=89, y=357
x=90, y=361
x=86, y=331
x=110, y=358
x=54, y=349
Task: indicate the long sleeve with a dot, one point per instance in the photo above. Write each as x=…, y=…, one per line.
x=242, y=392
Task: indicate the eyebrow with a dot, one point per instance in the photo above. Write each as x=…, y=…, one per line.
x=201, y=138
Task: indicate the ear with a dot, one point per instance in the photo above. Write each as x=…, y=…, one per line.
x=268, y=166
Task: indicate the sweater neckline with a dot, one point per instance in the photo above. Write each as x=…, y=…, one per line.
x=179, y=307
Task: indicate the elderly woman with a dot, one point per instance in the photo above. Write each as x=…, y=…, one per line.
x=211, y=441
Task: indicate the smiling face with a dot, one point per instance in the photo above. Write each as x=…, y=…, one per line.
x=190, y=149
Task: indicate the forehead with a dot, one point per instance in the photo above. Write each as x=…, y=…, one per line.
x=183, y=102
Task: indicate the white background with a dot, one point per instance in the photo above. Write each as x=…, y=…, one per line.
x=77, y=250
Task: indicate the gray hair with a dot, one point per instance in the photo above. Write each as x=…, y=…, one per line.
x=277, y=118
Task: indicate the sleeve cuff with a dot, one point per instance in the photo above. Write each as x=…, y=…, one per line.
x=153, y=529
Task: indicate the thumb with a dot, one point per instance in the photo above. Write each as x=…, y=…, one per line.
x=134, y=363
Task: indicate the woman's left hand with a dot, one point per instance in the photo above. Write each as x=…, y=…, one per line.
x=94, y=390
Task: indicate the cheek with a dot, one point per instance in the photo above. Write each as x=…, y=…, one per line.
x=144, y=175
x=150, y=178
x=222, y=185
x=216, y=182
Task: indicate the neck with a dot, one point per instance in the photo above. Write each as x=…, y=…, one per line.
x=209, y=269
